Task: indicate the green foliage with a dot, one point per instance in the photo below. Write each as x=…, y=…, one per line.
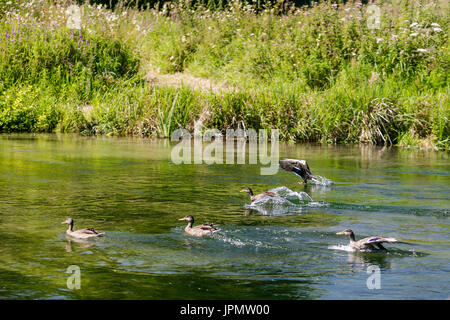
x=61, y=57
x=317, y=73
x=27, y=109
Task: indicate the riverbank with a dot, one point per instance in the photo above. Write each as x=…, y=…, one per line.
x=326, y=73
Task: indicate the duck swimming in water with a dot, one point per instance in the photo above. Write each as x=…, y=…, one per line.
x=367, y=244
x=82, y=233
x=254, y=197
x=299, y=167
x=200, y=230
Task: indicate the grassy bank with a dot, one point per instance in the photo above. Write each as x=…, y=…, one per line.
x=318, y=73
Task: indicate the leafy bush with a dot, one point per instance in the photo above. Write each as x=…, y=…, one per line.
x=317, y=72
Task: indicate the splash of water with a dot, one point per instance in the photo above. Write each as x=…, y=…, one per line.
x=287, y=201
x=342, y=247
x=271, y=206
x=292, y=195
x=321, y=181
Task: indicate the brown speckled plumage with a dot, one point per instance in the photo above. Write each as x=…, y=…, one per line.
x=367, y=244
x=200, y=230
x=254, y=197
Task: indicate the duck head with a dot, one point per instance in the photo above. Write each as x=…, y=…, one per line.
x=346, y=232
x=247, y=190
x=68, y=221
x=188, y=218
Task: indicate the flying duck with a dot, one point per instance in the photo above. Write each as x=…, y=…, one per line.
x=299, y=167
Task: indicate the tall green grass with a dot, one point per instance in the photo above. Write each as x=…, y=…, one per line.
x=317, y=73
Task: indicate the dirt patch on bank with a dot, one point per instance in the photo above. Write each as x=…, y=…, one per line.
x=177, y=80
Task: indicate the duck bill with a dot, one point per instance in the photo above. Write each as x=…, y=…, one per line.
x=340, y=233
x=182, y=219
x=243, y=190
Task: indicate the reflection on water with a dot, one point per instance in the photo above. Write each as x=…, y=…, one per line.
x=130, y=188
x=78, y=243
x=360, y=261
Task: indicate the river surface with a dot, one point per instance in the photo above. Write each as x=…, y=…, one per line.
x=131, y=189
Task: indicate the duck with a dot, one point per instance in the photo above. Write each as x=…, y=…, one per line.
x=82, y=233
x=200, y=230
x=299, y=167
x=367, y=244
x=254, y=197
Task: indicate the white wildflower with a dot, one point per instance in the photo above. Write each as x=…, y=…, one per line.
x=437, y=29
x=413, y=25
x=422, y=50
x=434, y=24
x=415, y=34
x=380, y=40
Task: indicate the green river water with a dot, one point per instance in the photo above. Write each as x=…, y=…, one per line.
x=130, y=188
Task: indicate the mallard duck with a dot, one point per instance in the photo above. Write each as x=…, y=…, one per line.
x=366, y=244
x=254, y=197
x=299, y=167
x=82, y=233
x=200, y=230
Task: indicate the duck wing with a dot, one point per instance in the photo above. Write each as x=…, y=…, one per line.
x=374, y=240
x=90, y=231
x=299, y=167
x=308, y=170
x=207, y=227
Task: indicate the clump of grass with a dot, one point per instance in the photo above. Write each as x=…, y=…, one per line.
x=165, y=119
x=380, y=123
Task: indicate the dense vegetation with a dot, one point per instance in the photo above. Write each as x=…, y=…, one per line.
x=326, y=72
